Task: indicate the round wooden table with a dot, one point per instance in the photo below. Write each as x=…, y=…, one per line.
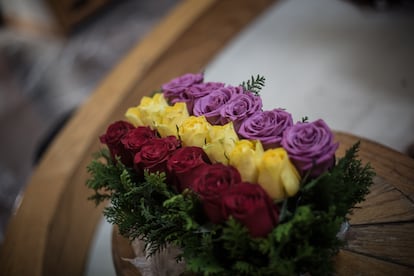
x=380, y=240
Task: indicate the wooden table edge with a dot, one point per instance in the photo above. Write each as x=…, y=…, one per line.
x=394, y=166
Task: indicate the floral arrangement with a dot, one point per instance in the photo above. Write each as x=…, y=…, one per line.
x=240, y=191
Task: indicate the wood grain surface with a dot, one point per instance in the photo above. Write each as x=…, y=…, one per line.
x=51, y=231
x=121, y=249
x=380, y=240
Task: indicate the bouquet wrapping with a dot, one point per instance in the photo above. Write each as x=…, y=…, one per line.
x=201, y=168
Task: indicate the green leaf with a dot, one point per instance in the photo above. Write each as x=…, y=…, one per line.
x=254, y=85
x=342, y=187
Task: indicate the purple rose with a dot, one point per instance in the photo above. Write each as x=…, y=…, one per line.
x=211, y=104
x=266, y=126
x=199, y=90
x=240, y=107
x=174, y=91
x=311, y=147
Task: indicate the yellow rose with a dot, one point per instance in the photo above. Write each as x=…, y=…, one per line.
x=220, y=142
x=277, y=175
x=246, y=156
x=194, y=131
x=148, y=112
x=171, y=118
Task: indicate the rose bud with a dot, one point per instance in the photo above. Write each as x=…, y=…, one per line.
x=210, y=183
x=277, y=175
x=154, y=155
x=194, y=131
x=210, y=105
x=148, y=112
x=182, y=166
x=246, y=157
x=240, y=107
x=220, y=142
x=174, y=91
x=199, y=90
x=266, y=126
x=112, y=138
x=134, y=139
x=311, y=147
x=171, y=118
x=251, y=206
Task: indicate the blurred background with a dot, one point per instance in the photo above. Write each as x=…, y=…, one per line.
x=52, y=56
x=54, y=53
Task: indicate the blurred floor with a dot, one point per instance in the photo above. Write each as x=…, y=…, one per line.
x=44, y=78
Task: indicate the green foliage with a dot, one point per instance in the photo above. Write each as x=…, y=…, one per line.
x=304, y=241
x=343, y=187
x=105, y=176
x=254, y=85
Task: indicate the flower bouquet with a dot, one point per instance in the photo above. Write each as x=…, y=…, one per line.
x=201, y=167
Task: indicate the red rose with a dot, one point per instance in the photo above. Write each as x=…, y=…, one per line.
x=251, y=206
x=210, y=183
x=112, y=138
x=155, y=153
x=182, y=165
x=134, y=139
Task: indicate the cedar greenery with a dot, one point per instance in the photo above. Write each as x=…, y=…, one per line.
x=254, y=85
x=304, y=241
